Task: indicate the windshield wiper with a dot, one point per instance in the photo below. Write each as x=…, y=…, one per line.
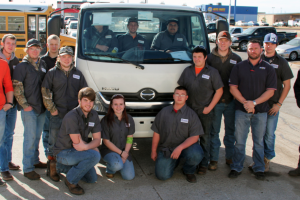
x=168, y=59
x=110, y=56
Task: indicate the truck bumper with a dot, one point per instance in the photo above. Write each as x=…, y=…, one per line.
x=235, y=44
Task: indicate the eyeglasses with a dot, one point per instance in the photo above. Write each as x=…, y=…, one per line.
x=117, y=95
x=178, y=95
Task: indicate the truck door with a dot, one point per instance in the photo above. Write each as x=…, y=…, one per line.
x=39, y=33
x=259, y=34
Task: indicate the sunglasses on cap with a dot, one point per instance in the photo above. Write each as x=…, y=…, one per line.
x=117, y=95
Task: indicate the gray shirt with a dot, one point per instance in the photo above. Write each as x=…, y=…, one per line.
x=117, y=133
x=163, y=41
x=201, y=88
x=174, y=128
x=75, y=123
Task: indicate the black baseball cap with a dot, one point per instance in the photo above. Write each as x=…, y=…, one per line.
x=133, y=19
x=33, y=42
x=173, y=20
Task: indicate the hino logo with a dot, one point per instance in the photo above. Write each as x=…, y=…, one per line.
x=147, y=94
x=110, y=88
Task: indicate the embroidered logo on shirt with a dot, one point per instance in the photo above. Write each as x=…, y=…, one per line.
x=108, y=36
x=205, y=76
x=91, y=124
x=275, y=66
x=141, y=41
x=127, y=125
x=180, y=39
x=232, y=61
x=262, y=68
x=184, y=120
x=43, y=70
x=76, y=76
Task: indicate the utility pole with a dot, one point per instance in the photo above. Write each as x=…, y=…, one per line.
x=229, y=12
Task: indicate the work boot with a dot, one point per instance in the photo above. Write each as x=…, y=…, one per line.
x=48, y=164
x=295, y=172
x=267, y=164
x=202, y=170
x=52, y=173
x=108, y=175
x=234, y=174
x=40, y=165
x=74, y=189
x=32, y=175
x=13, y=166
x=213, y=165
x=260, y=176
x=190, y=177
x=228, y=161
x=7, y=176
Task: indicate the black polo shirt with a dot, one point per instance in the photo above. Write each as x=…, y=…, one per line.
x=117, y=133
x=174, y=128
x=126, y=42
x=76, y=123
x=50, y=62
x=224, y=70
x=252, y=82
x=32, y=81
x=163, y=41
x=201, y=88
x=283, y=73
x=65, y=89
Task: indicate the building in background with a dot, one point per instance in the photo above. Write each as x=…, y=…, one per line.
x=279, y=17
x=72, y=5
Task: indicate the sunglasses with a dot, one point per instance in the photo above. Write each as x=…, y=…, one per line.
x=200, y=46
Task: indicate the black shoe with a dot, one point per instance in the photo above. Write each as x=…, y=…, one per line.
x=260, y=175
x=190, y=177
x=295, y=172
x=2, y=183
x=234, y=174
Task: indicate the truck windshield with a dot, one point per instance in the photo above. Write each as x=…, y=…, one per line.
x=163, y=36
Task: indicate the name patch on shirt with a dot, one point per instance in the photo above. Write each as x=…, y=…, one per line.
x=275, y=66
x=43, y=70
x=184, y=120
x=91, y=124
x=141, y=41
x=262, y=68
x=108, y=36
x=76, y=76
x=232, y=61
x=14, y=66
x=127, y=125
x=180, y=39
x=205, y=76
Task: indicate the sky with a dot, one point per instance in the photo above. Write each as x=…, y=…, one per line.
x=274, y=6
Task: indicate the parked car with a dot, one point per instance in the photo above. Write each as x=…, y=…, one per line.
x=241, y=23
x=263, y=23
x=67, y=18
x=279, y=24
x=73, y=33
x=252, y=23
x=72, y=27
x=235, y=30
x=290, y=50
x=240, y=40
x=232, y=22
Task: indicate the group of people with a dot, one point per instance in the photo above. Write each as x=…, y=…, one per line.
x=53, y=97
x=102, y=39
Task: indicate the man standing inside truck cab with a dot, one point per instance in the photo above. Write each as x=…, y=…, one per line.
x=100, y=39
x=170, y=39
x=132, y=38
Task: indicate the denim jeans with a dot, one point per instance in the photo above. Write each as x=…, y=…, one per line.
x=164, y=167
x=78, y=165
x=54, y=126
x=206, y=121
x=2, y=125
x=6, y=147
x=115, y=163
x=258, y=123
x=269, y=139
x=33, y=125
x=229, y=116
x=45, y=135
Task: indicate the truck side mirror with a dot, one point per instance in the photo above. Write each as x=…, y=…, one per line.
x=54, y=25
x=221, y=25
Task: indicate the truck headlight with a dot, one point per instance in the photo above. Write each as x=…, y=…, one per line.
x=99, y=105
x=235, y=39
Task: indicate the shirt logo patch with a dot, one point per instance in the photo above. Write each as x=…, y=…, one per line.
x=262, y=68
x=184, y=120
x=14, y=66
x=76, y=76
x=91, y=124
x=141, y=41
x=275, y=66
x=43, y=70
x=127, y=125
x=205, y=76
x=180, y=39
x=232, y=61
x=108, y=36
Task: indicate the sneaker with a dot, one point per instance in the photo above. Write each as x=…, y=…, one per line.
x=295, y=172
x=267, y=164
x=234, y=174
x=202, y=170
x=7, y=176
x=228, y=161
x=190, y=177
x=213, y=165
x=2, y=183
x=260, y=175
x=32, y=175
x=74, y=189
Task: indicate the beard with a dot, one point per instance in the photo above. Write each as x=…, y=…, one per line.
x=85, y=110
x=253, y=57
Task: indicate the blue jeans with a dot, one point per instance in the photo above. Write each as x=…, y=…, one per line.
x=45, y=135
x=229, y=116
x=33, y=125
x=54, y=125
x=78, y=165
x=115, y=163
x=258, y=123
x=6, y=147
x=269, y=139
x=164, y=167
x=2, y=125
x=206, y=121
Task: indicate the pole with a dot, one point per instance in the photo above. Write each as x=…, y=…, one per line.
x=63, y=16
x=229, y=12
x=234, y=10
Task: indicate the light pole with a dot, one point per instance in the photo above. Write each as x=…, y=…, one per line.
x=229, y=11
x=273, y=9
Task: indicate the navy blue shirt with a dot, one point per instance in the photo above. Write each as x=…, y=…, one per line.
x=126, y=42
x=252, y=82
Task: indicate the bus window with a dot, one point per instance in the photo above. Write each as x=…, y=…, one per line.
x=2, y=23
x=15, y=23
x=31, y=27
x=42, y=33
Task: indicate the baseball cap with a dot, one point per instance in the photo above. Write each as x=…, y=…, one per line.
x=271, y=37
x=224, y=34
x=33, y=42
x=132, y=19
x=66, y=50
x=173, y=20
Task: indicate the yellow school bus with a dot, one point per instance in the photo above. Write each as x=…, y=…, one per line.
x=22, y=20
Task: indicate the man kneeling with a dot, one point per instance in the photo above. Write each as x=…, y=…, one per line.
x=75, y=155
x=176, y=133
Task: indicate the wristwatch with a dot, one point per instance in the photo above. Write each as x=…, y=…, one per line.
x=254, y=102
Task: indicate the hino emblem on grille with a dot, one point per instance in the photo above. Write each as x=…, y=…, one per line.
x=147, y=94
